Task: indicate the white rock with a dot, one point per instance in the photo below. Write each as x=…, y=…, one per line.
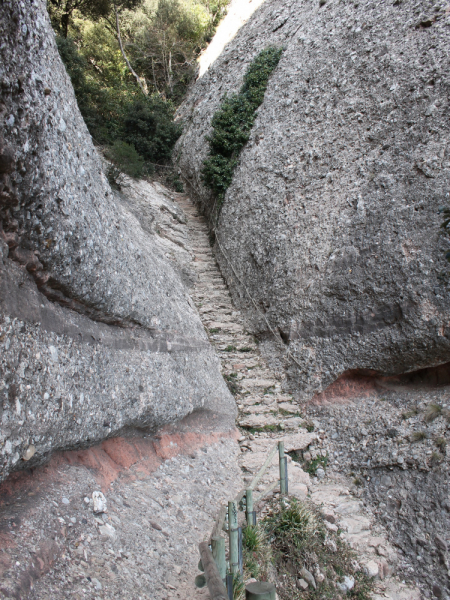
x=320, y=474
x=346, y=585
x=302, y=585
x=108, y=530
x=371, y=569
x=99, y=502
x=29, y=452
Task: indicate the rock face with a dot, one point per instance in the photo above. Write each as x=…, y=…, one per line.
x=97, y=330
x=331, y=221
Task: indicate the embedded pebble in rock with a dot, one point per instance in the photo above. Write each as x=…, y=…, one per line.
x=99, y=502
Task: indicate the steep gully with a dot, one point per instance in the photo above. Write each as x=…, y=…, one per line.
x=163, y=492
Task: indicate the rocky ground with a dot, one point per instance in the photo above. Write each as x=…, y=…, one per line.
x=393, y=446
x=163, y=494
x=143, y=547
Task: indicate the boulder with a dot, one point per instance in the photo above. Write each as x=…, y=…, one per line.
x=331, y=224
x=98, y=334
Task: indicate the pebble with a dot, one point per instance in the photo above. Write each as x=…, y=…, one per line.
x=302, y=585
x=346, y=585
x=307, y=576
x=99, y=502
x=371, y=569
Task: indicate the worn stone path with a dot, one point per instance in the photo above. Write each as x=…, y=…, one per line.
x=267, y=414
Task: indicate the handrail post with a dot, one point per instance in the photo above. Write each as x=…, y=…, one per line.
x=234, y=536
x=218, y=552
x=214, y=582
x=250, y=513
x=283, y=469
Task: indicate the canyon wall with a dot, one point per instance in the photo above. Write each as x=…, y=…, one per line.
x=331, y=224
x=98, y=334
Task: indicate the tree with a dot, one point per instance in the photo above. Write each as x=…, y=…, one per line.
x=61, y=11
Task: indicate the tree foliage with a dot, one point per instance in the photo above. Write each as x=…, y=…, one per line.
x=133, y=102
x=62, y=11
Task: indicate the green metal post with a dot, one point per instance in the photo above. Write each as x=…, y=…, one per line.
x=250, y=513
x=218, y=552
x=283, y=486
x=234, y=536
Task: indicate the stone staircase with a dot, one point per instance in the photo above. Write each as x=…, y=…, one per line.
x=267, y=414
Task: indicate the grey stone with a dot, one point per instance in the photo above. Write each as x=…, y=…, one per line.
x=309, y=577
x=98, y=334
x=302, y=584
x=320, y=473
x=331, y=221
x=347, y=584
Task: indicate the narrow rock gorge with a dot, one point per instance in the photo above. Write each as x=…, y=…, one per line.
x=155, y=345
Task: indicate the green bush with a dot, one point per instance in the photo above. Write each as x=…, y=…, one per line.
x=149, y=126
x=126, y=159
x=233, y=122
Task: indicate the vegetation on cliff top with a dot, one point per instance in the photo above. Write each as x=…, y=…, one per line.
x=233, y=122
x=130, y=73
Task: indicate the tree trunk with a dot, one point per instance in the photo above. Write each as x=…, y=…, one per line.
x=65, y=24
x=170, y=72
x=119, y=39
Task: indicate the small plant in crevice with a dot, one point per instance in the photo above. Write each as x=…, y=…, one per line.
x=257, y=556
x=410, y=413
x=441, y=443
x=312, y=465
x=232, y=384
x=436, y=458
x=233, y=121
x=433, y=412
x=418, y=436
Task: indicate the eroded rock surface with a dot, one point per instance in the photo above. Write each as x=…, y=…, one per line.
x=332, y=221
x=97, y=331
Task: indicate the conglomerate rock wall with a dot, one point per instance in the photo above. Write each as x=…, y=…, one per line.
x=332, y=219
x=97, y=330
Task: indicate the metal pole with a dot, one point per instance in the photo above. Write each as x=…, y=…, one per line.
x=218, y=552
x=241, y=555
x=250, y=513
x=283, y=486
x=234, y=536
x=230, y=586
